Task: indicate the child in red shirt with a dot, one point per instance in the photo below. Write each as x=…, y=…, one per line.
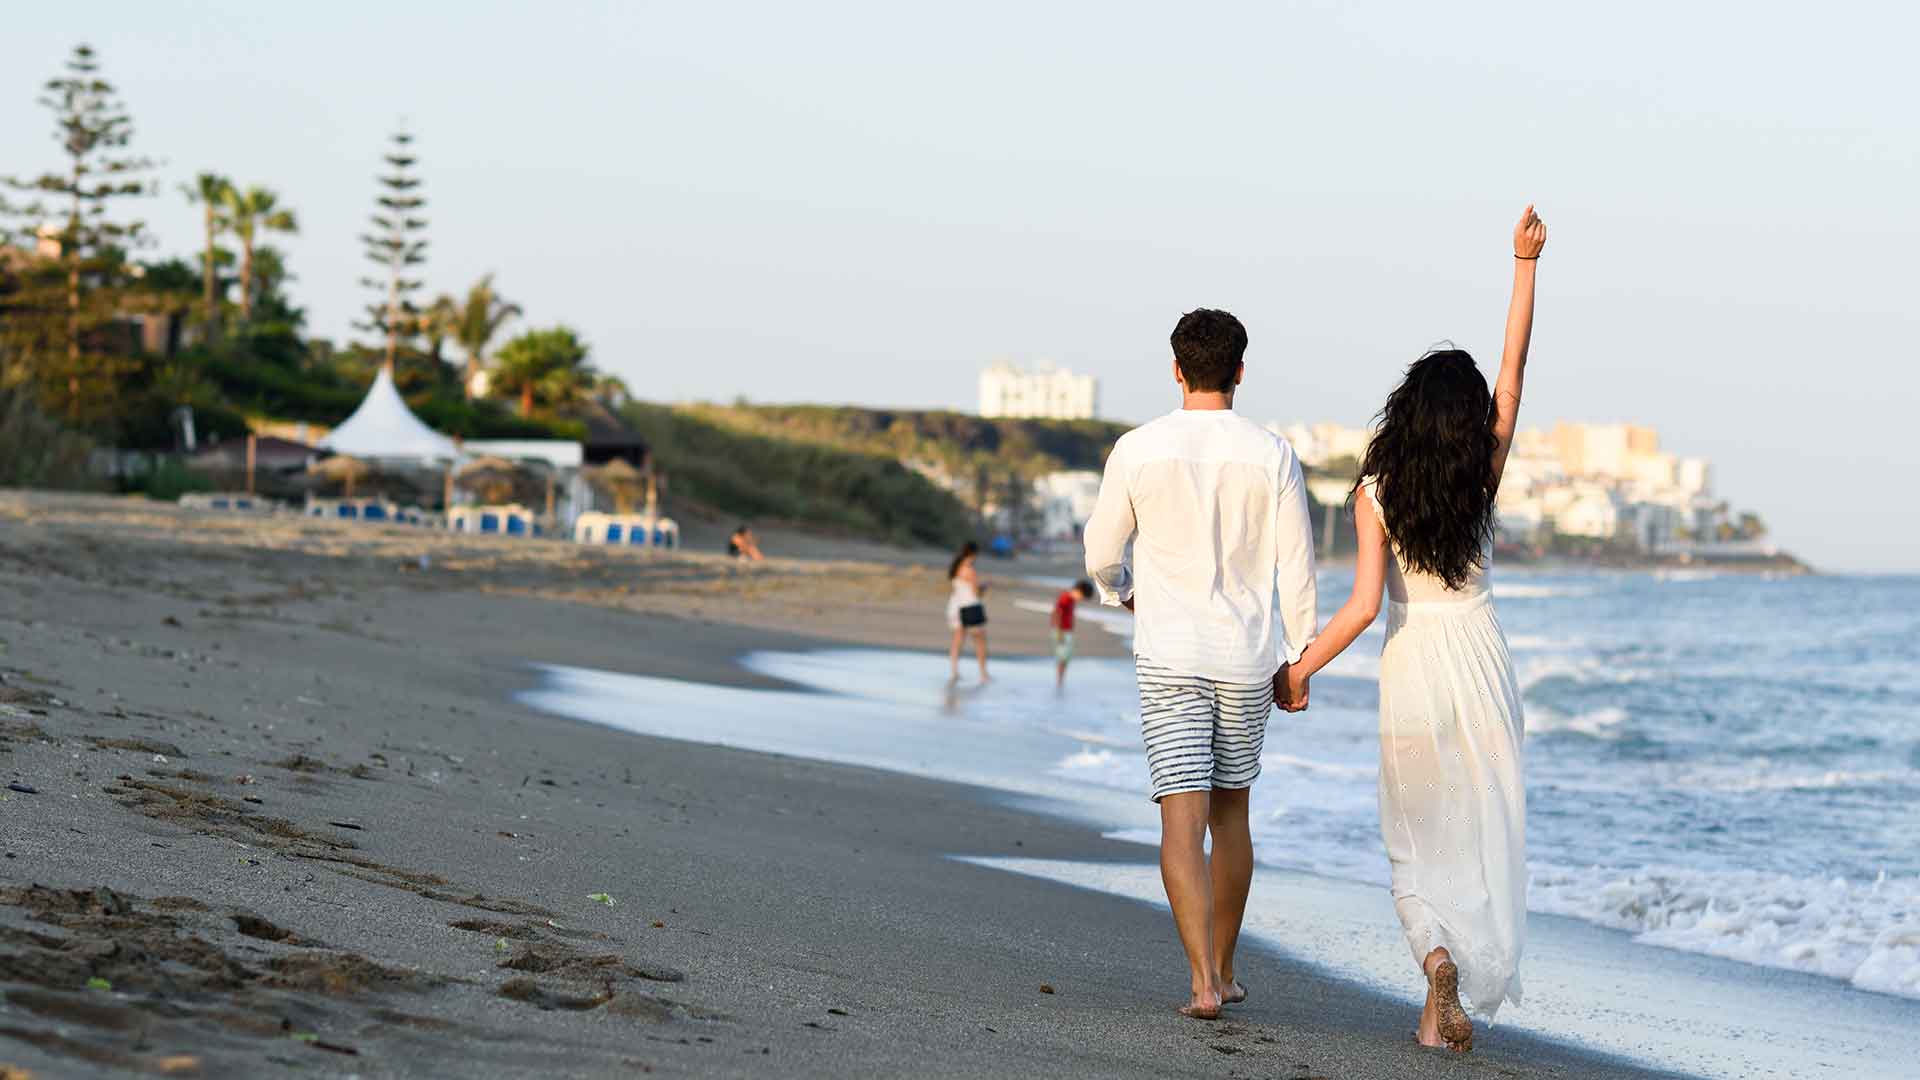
x=1062, y=622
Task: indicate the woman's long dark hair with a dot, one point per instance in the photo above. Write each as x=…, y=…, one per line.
x=1431, y=460
x=967, y=549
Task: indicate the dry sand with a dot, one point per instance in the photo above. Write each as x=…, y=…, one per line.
x=284, y=815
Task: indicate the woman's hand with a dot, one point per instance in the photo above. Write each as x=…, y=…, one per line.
x=1289, y=690
x=1529, y=236
x=1296, y=689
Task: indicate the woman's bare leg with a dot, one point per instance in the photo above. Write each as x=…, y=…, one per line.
x=1443, y=1021
x=980, y=649
x=953, y=654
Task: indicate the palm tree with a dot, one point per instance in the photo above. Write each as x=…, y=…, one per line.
x=440, y=321
x=247, y=213
x=477, y=321
x=548, y=365
x=611, y=390
x=209, y=191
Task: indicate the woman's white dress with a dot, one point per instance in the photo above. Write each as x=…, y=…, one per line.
x=1453, y=811
x=965, y=594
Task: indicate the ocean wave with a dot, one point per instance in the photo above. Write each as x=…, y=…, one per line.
x=1599, y=723
x=1770, y=780
x=1865, y=933
x=1271, y=760
x=1103, y=767
x=1516, y=590
x=1540, y=643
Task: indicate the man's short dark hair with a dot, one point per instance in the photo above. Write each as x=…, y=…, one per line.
x=1208, y=344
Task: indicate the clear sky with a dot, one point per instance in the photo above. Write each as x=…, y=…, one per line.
x=869, y=202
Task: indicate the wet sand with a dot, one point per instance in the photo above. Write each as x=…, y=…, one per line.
x=284, y=814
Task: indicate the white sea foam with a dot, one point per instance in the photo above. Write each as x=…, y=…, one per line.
x=1524, y=590
x=1599, y=723
x=1867, y=933
x=1752, y=778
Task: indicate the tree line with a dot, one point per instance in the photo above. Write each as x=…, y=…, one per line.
x=111, y=344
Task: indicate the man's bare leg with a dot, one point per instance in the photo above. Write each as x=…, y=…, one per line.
x=1183, y=870
x=1231, y=873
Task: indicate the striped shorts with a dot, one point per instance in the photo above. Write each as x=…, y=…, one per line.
x=1200, y=733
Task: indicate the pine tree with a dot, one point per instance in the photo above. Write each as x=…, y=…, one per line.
x=397, y=245
x=69, y=288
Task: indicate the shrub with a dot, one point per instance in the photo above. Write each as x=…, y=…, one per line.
x=36, y=451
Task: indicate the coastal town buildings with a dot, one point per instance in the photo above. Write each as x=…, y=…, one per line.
x=1320, y=445
x=1604, y=483
x=1046, y=393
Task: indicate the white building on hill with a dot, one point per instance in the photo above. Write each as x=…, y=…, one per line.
x=1047, y=393
x=1066, y=502
x=1318, y=444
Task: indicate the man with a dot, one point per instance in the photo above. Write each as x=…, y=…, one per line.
x=1062, y=622
x=1216, y=509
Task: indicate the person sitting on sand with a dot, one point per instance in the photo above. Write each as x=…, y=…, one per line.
x=1061, y=620
x=966, y=614
x=742, y=545
x=1216, y=509
x=1453, y=805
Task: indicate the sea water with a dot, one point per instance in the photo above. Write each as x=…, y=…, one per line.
x=1718, y=765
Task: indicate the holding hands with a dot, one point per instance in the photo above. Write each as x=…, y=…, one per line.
x=1290, y=689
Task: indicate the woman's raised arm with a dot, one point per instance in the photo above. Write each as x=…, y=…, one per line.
x=1528, y=238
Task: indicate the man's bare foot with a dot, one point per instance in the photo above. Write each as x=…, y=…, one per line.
x=1204, y=1006
x=1231, y=992
x=1444, y=1022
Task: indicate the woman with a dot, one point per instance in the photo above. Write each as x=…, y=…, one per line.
x=965, y=612
x=1452, y=808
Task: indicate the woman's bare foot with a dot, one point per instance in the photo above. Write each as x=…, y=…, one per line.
x=1231, y=992
x=1444, y=1021
x=1204, y=1006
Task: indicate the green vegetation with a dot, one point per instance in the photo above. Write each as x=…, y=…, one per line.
x=957, y=443
x=988, y=462
x=397, y=245
x=756, y=474
x=168, y=480
x=37, y=452
x=99, y=347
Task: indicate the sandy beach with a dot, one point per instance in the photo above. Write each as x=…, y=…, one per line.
x=272, y=806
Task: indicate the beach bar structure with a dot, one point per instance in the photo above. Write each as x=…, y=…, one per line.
x=368, y=508
x=509, y=520
x=226, y=501
x=634, y=530
x=384, y=429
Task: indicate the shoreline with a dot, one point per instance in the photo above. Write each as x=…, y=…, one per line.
x=295, y=768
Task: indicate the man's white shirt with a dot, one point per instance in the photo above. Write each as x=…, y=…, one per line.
x=1222, y=577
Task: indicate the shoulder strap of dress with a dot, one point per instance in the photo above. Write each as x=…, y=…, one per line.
x=1371, y=485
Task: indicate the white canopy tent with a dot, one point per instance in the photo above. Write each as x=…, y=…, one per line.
x=384, y=429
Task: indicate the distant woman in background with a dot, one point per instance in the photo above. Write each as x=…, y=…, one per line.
x=743, y=545
x=1453, y=810
x=965, y=613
